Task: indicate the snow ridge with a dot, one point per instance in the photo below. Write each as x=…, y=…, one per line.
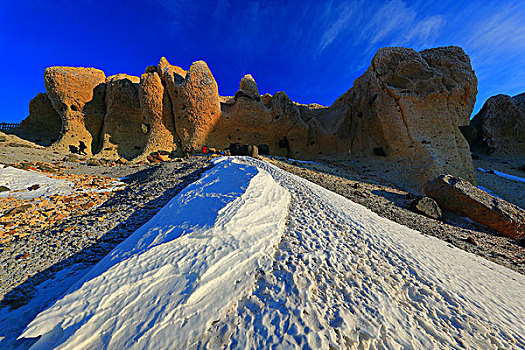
x=179, y=273
x=343, y=277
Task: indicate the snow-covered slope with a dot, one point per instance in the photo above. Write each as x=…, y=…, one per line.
x=168, y=282
x=344, y=277
x=341, y=277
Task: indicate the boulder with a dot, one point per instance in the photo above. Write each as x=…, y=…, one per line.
x=121, y=134
x=500, y=126
x=455, y=194
x=410, y=104
x=426, y=206
x=157, y=113
x=241, y=149
x=77, y=94
x=43, y=124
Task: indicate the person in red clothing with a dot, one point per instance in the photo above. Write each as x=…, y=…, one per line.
x=204, y=149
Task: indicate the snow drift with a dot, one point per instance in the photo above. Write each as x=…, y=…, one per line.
x=164, y=285
x=340, y=277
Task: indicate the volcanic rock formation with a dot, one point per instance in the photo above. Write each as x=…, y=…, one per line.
x=121, y=134
x=499, y=127
x=77, y=94
x=43, y=124
x=158, y=114
x=405, y=110
x=409, y=105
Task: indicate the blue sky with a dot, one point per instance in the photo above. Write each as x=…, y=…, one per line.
x=312, y=50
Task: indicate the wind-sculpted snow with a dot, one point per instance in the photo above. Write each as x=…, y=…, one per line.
x=179, y=273
x=227, y=265
x=343, y=277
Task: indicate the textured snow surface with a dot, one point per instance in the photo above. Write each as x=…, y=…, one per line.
x=169, y=281
x=339, y=277
x=18, y=179
x=343, y=277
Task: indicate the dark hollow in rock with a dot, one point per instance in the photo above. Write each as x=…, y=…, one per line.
x=379, y=152
x=264, y=149
x=241, y=149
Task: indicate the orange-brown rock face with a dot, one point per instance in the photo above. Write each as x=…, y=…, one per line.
x=500, y=125
x=43, y=124
x=77, y=94
x=157, y=111
x=408, y=106
x=273, y=120
x=195, y=101
x=404, y=113
x=122, y=135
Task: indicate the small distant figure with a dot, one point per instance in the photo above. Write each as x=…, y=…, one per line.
x=82, y=148
x=204, y=149
x=186, y=152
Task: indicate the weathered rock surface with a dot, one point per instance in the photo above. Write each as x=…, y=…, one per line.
x=157, y=112
x=410, y=104
x=121, y=135
x=426, y=206
x=273, y=120
x=195, y=101
x=77, y=94
x=455, y=194
x=404, y=112
x=248, y=87
x=43, y=124
x=500, y=126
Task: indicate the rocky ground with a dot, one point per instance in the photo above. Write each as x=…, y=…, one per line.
x=79, y=233
x=85, y=228
x=382, y=197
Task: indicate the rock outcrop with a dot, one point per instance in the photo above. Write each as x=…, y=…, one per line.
x=500, y=126
x=460, y=196
x=121, y=135
x=43, y=124
x=195, y=101
x=77, y=94
x=403, y=112
x=157, y=112
x=247, y=119
x=409, y=104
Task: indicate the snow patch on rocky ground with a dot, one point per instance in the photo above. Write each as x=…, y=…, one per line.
x=343, y=277
x=504, y=175
x=19, y=180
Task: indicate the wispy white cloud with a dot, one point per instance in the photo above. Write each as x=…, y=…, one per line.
x=500, y=33
x=392, y=23
x=425, y=32
x=390, y=19
x=344, y=16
